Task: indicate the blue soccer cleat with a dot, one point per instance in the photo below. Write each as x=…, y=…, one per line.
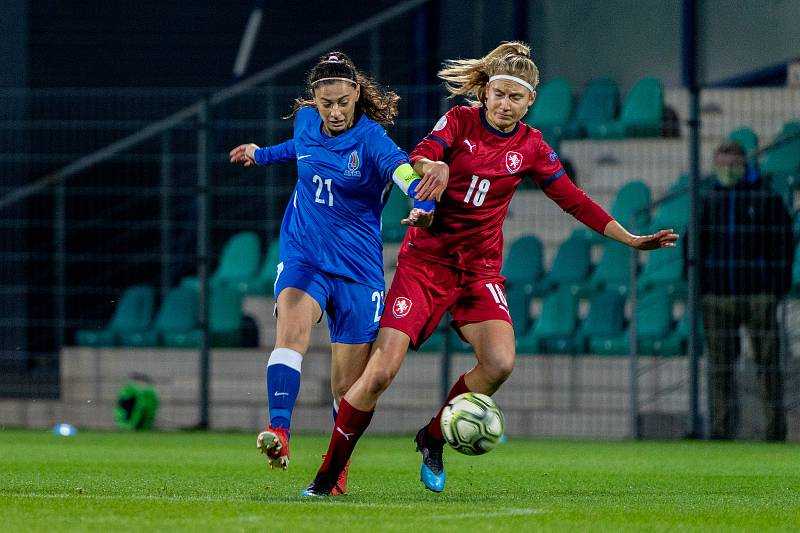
x=320, y=487
x=432, y=471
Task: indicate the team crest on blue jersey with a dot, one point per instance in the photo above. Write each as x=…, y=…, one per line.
x=552, y=156
x=353, y=163
x=513, y=161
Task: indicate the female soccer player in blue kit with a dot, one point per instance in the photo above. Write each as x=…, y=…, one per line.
x=331, y=256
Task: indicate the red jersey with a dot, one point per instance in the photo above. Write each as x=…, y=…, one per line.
x=486, y=166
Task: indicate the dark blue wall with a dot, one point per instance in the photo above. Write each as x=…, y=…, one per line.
x=13, y=43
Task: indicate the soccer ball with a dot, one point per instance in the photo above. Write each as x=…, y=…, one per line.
x=472, y=423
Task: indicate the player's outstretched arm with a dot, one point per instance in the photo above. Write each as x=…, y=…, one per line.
x=664, y=238
x=244, y=154
x=250, y=154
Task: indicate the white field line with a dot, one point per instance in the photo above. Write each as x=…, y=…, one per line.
x=512, y=511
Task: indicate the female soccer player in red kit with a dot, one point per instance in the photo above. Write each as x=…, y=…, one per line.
x=485, y=152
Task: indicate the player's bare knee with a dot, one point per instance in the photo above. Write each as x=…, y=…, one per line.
x=338, y=390
x=380, y=379
x=295, y=338
x=499, y=369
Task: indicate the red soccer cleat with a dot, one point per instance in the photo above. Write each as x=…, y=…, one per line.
x=341, y=482
x=274, y=443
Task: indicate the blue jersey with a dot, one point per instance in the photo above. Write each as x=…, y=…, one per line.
x=333, y=220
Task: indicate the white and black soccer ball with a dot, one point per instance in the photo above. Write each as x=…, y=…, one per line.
x=472, y=423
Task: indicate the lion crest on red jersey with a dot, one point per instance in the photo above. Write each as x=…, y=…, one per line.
x=513, y=161
x=401, y=306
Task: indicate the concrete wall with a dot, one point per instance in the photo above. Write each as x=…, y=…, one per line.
x=738, y=36
x=626, y=40
x=547, y=396
x=618, y=39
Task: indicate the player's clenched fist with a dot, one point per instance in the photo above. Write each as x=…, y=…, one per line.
x=244, y=154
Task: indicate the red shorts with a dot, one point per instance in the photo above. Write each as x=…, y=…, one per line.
x=422, y=291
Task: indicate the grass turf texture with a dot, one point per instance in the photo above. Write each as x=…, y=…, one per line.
x=218, y=482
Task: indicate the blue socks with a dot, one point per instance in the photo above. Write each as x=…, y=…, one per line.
x=283, y=385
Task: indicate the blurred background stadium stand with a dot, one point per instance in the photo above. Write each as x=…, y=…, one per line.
x=122, y=219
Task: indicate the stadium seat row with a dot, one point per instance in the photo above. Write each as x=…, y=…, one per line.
x=176, y=324
x=595, y=116
x=241, y=272
x=242, y=268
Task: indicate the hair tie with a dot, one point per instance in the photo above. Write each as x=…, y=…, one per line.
x=332, y=59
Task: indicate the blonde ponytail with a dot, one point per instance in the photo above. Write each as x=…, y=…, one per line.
x=469, y=77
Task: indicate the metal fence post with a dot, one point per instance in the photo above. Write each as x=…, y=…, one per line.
x=691, y=81
x=446, y=358
x=375, y=54
x=203, y=246
x=60, y=245
x=636, y=428
x=165, y=212
x=693, y=303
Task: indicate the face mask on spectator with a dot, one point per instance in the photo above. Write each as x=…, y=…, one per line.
x=729, y=176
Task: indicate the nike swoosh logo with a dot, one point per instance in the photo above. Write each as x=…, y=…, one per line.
x=281, y=394
x=299, y=157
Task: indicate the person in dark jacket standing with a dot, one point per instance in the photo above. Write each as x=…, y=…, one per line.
x=746, y=248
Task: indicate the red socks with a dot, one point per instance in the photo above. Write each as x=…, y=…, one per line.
x=350, y=425
x=435, y=425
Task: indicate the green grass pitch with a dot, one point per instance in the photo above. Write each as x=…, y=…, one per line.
x=218, y=482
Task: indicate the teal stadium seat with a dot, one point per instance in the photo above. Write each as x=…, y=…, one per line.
x=654, y=325
x=571, y=265
x=641, y=115
x=665, y=268
x=677, y=342
x=784, y=158
x=554, y=330
x=673, y=211
x=606, y=319
x=523, y=271
x=613, y=272
x=224, y=318
x=133, y=313
x=795, y=291
x=598, y=105
x=396, y=209
x=632, y=199
x=455, y=345
x=654, y=314
x=238, y=262
x=551, y=111
x=178, y=314
x=796, y=225
x=263, y=283
x=434, y=342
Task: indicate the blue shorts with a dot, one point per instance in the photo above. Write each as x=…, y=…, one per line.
x=354, y=310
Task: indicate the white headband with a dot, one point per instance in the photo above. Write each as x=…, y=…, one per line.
x=354, y=82
x=512, y=78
